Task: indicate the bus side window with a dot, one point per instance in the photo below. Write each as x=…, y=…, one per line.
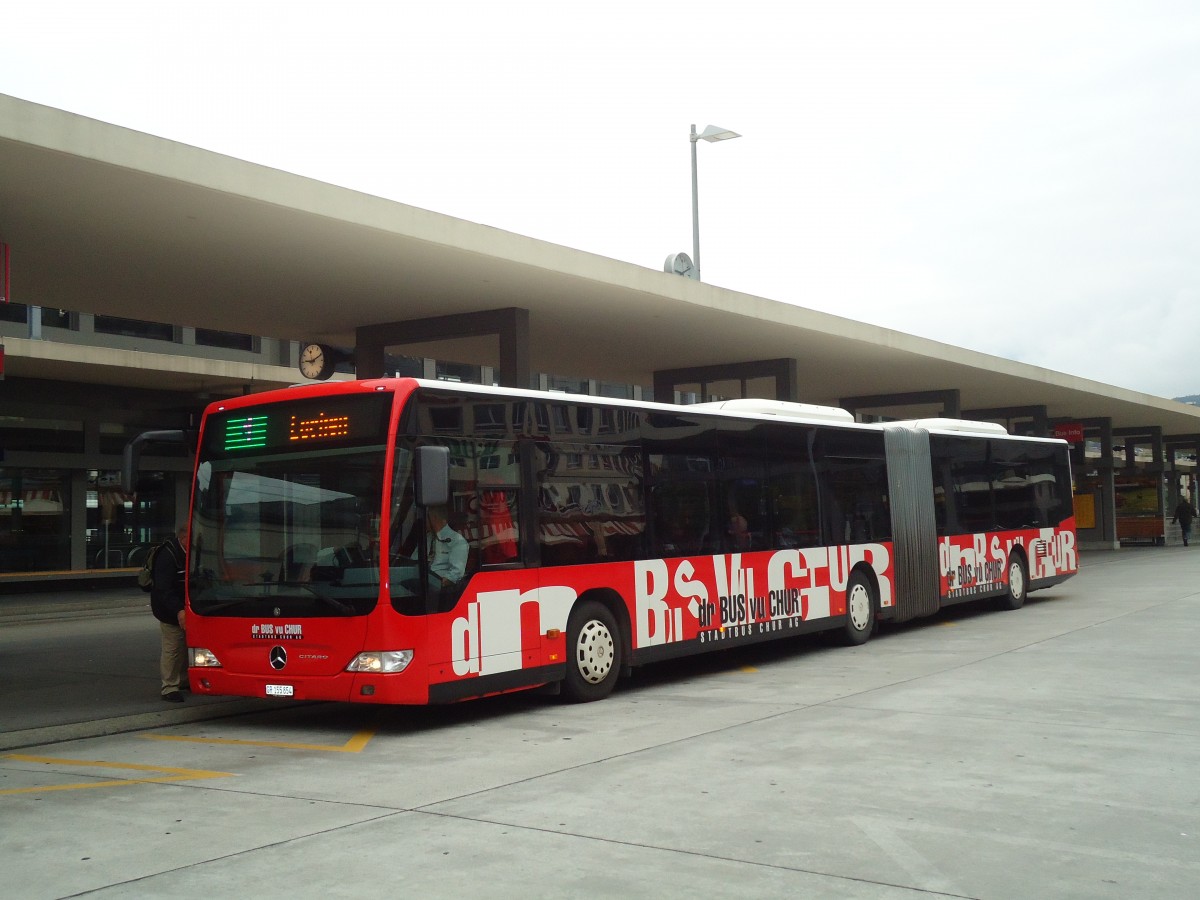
x=791, y=492
x=945, y=514
x=741, y=474
x=682, y=518
x=854, y=488
x=589, y=503
x=484, y=479
x=1025, y=486
x=498, y=526
x=962, y=470
x=402, y=519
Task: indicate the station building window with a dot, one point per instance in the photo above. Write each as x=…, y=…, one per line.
x=35, y=520
x=464, y=372
x=14, y=312
x=566, y=385
x=50, y=317
x=399, y=366
x=155, y=331
x=59, y=318
x=122, y=527
x=27, y=434
x=615, y=389
x=229, y=340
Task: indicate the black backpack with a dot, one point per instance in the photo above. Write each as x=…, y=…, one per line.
x=145, y=575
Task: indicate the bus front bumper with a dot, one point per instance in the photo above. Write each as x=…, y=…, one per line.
x=345, y=687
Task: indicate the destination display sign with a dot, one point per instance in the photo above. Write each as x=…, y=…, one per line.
x=347, y=420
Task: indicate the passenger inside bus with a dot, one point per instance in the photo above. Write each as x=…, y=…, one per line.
x=737, y=529
x=686, y=535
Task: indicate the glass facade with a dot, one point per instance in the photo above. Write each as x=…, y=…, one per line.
x=35, y=520
x=25, y=433
x=62, y=510
x=121, y=527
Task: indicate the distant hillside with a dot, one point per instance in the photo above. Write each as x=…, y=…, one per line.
x=1193, y=399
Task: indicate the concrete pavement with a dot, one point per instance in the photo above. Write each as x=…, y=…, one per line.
x=69, y=602
x=66, y=683
x=84, y=663
x=1049, y=752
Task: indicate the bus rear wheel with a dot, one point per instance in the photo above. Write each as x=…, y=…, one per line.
x=1018, y=583
x=594, y=653
x=860, y=611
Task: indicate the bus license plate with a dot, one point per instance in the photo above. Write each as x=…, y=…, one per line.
x=280, y=690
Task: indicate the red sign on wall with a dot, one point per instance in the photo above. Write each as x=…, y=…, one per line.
x=1069, y=431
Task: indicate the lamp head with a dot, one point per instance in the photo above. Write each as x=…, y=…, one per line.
x=713, y=133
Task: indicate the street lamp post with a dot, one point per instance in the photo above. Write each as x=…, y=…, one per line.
x=711, y=133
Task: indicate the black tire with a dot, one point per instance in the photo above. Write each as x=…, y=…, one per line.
x=860, y=611
x=593, y=653
x=1018, y=583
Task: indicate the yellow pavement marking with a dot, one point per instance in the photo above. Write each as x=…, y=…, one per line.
x=354, y=745
x=175, y=774
x=749, y=669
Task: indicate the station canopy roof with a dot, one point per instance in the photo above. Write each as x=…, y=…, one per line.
x=107, y=220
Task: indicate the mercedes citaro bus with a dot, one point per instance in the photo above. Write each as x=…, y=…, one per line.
x=407, y=542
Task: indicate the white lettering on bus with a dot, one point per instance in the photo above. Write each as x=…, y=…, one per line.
x=981, y=564
x=791, y=603
x=487, y=639
x=734, y=585
x=686, y=586
x=1059, y=556
x=656, y=622
x=879, y=558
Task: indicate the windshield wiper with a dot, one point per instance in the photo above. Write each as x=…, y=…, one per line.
x=208, y=610
x=331, y=602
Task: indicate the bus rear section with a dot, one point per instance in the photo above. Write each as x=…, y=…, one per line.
x=978, y=514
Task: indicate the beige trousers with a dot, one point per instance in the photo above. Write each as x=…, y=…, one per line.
x=171, y=660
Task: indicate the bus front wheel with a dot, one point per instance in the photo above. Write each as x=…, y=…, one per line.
x=1018, y=583
x=860, y=611
x=594, y=653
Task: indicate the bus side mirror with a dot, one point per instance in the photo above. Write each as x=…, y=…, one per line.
x=433, y=476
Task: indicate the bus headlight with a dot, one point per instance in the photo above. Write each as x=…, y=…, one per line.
x=202, y=658
x=381, y=661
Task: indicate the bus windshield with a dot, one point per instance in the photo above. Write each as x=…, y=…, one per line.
x=289, y=526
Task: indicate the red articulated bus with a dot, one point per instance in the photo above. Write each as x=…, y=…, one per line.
x=409, y=542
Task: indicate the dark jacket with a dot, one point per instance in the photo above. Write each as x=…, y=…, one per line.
x=166, y=594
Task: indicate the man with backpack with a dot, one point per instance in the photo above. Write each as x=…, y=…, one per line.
x=168, y=573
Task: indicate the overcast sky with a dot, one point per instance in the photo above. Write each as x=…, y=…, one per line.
x=1015, y=177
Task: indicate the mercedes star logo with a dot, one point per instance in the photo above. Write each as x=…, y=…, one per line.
x=278, y=658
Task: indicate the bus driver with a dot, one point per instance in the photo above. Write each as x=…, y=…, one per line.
x=447, y=551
